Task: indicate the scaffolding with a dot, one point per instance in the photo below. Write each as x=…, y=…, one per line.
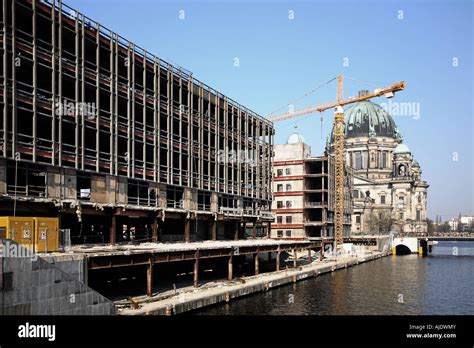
x=76, y=95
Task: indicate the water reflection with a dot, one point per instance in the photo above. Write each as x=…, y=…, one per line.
x=392, y=285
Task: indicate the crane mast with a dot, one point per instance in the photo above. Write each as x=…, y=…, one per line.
x=339, y=124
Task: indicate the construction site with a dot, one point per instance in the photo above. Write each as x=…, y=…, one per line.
x=134, y=178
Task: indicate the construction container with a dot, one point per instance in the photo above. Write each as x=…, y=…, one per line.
x=18, y=228
x=46, y=234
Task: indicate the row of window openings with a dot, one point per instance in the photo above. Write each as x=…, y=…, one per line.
x=280, y=187
x=280, y=171
x=359, y=160
x=288, y=204
x=288, y=219
x=280, y=233
x=401, y=200
x=400, y=216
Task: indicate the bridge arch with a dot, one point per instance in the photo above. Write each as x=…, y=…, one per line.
x=402, y=249
x=401, y=244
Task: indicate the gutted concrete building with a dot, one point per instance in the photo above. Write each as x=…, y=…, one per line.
x=117, y=143
x=304, y=192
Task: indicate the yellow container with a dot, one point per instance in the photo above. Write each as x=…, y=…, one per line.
x=18, y=228
x=46, y=234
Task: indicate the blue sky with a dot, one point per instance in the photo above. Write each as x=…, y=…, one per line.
x=281, y=59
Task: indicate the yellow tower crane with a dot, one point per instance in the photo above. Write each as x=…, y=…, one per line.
x=339, y=140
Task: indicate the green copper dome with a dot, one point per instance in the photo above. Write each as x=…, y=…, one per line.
x=367, y=119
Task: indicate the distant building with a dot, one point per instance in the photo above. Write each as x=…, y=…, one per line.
x=303, y=189
x=467, y=223
x=389, y=193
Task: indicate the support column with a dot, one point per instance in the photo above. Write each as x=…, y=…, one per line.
x=309, y=256
x=149, y=278
x=277, y=260
x=236, y=230
x=230, y=267
x=187, y=227
x=154, y=230
x=213, y=228
x=321, y=251
x=294, y=258
x=256, y=263
x=196, y=270
x=113, y=229
x=254, y=230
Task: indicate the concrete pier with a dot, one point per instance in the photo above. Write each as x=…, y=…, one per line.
x=225, y=291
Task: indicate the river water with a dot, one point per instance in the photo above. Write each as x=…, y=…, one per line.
x=439, y=284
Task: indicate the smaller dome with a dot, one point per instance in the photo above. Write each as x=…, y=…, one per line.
x=295, y=138
x=415, y=163
x=401, y=148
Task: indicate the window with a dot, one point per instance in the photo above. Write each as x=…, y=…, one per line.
x=289, y=204
x=364, y=159
x=357, y=219
x=279, y=219
x=358, y=160
x=384, y=160
x=401, y=202
x=289, y=219
x=288, y=171
x=401, y=216
x=279, y=204
x=279, y=187
x=382, y=199
x=356, y=194
x=288, y=187
x=279, y=172
x=418, y=215
x=419, y=198
x=288, y=233
x=279, y=233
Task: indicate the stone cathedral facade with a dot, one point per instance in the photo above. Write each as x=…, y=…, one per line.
x=389, y=193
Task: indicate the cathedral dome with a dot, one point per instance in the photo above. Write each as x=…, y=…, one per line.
x=401, y=148
x=367, y=119
x=295, y=138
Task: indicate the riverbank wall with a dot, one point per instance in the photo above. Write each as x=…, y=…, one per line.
x=226, y=291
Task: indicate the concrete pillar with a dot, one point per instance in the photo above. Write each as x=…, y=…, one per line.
x=256, y=263
x=294, y=258
x=154, y=230
x=196, y=271
x=230, y=267
x=309, y=255
x=321, y=252
x=277, y=260
x=254, y=229
x=113, y=229
x=213, y=228
x=187, y=228
x=149, y=279
x=236, y=230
